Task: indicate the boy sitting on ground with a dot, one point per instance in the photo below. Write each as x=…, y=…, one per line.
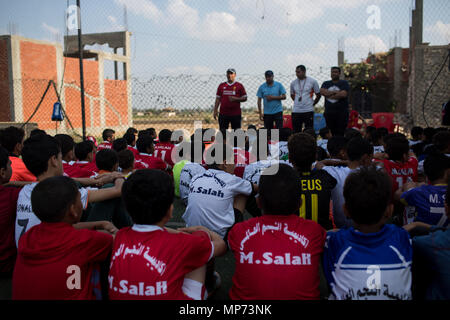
x=426, y=203
x=278, y=254
x=217, y=198
x=84, y=152
x=107, y=161
x=151, y=262
x=55, y=261
x=8, y=204
x=42, y=156
x=372, y=260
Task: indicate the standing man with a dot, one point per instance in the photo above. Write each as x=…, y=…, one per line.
x=336, y=102
x=272, y=92
x=302, y=91
x=230, y=94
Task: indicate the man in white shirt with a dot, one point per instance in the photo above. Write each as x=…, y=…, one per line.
x=302, y=91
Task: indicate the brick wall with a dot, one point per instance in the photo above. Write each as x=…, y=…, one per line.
x=38, y=63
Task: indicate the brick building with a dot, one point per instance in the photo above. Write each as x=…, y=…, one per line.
x=27, y=66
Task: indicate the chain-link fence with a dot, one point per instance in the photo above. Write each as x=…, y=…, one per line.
x=179, y=51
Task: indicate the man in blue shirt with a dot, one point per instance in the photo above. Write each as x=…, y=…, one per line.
x=273, y=93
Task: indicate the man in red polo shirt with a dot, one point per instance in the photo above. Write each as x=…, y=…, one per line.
x=230, y=94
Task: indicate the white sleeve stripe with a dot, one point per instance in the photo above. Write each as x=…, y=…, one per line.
x=212, y=251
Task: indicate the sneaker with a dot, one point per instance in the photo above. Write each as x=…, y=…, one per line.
x=217, y=284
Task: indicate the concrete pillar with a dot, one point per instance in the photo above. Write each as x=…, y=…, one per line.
x=127, y=76
x=15, y=74
x=101, y=85
x=341, y=62
x=398, y=75
x=59, y=82
x=116, y=68
x=418, y=22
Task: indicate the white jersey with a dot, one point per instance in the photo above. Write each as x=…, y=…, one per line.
x=190, y=170
x=253, y=171
x=211, y=198
x=378, y=149
x=25, y=218
x=323, y=144
x=337, y=194
x=304, y=89
x=412, y=142
x=278, y=150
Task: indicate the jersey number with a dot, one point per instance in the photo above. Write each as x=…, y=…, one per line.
x=163, y=154
x=314, y=207
x=23, y=223
x=400, y=181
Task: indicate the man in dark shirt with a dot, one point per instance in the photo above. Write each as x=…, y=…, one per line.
x=335, y=92
x=316, y=185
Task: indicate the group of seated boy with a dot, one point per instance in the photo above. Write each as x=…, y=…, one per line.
x=365, y=213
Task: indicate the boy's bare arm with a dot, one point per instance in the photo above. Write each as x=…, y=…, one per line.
x=17, y=184
x=106, y=226
x=106, y=194
x=99, y=180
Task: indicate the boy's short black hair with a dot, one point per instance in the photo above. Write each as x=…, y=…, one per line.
x=351, y=133
x=280, y=193
x=285, y=133
x=335, y=145
x=65, y=142
x=370, y=129
x=148, y=194
x=132, y=131
x=10, y=137
x=106, y=159
x=435, y=166
x=165, y=135
x=311, y=132
x=144, y=143
x=152, y=132
x=301, y=67
x=324, y=132
x=37, y=131
x=37, y=151
x=357, y=147
x=416, y=132
x=4, y=158
x=107, y=133
x=367, y=193
x=441, y=140
x=51, y=198
x=397, y=147
x=143, y=133
x=120, y=144
x=383, y=132
x=130, y=138
x=126, y=159
x=82, y=149
x=429, y=132
x=302, y=150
